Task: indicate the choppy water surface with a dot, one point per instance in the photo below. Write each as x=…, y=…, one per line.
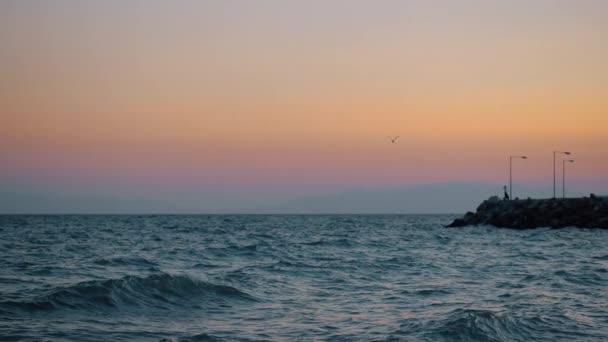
x=285, y=278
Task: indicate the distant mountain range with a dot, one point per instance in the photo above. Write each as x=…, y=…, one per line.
x=451, y=197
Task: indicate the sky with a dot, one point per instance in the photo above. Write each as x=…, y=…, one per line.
x=223, y=105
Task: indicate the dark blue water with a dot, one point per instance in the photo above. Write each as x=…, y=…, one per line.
x=297, y=278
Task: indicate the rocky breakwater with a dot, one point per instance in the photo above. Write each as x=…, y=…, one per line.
x=586, y=212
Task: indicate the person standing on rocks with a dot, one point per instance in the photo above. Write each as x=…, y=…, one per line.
x=506, y=197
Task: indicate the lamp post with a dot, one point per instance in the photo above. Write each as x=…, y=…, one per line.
x=511, y=173
x=564, y=175
x=554, y=153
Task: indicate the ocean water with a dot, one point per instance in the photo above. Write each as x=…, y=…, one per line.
x=297, y=278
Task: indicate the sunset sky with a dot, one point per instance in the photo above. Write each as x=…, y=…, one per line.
x=237, y=101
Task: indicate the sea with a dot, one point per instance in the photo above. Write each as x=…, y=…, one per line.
x=297, y=278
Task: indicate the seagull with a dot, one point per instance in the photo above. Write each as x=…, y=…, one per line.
x=393, y=139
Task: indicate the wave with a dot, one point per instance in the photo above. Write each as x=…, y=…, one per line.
x=432, y=292
x=196, y=338
x=341, y=242
x=124, y=261
x=199, y=338
x=485, y=325
x=581, y=278
x=156, y=290
x=479, y=325
x=232, y=250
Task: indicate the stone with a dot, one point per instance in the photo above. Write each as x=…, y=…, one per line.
x=556, y=213
x=458, y=223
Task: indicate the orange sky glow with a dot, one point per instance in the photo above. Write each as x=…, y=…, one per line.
x=273, y=92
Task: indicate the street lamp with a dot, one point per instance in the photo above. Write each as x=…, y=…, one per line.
x=511, y=173
x=564, y=175
x=554, y=153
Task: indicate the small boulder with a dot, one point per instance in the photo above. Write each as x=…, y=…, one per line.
x=469, y=216
x=457, y=223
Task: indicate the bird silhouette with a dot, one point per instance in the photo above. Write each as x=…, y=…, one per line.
x=393, y=139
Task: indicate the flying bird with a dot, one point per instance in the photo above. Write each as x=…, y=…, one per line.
x=393, y=139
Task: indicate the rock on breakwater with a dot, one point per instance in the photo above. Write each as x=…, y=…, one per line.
x=586, y=212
